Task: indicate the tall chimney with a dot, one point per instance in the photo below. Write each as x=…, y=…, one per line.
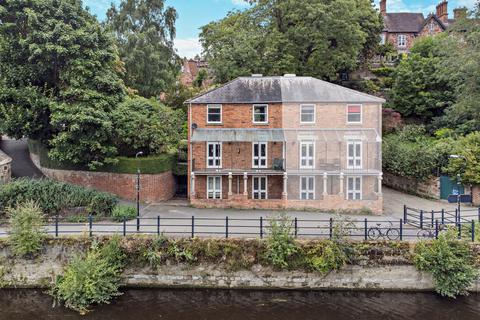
x=442, y=11
x=460, y=13
x=383, y=7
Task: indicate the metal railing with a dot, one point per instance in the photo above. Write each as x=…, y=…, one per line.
x=366, y=229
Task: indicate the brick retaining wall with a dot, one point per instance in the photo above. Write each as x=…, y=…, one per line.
x=154, y=187
x=429, y=188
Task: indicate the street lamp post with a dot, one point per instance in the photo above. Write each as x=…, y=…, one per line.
x=459, y=178
x=138, y=190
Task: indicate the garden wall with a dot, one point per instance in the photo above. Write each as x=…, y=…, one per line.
x=428, y=189
x=383, y=267
x=154, y=187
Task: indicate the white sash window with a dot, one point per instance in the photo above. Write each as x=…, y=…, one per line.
x=259, y=187
x=354, y=188
x=259, y=153
x=354, y=155
x=214, y=155
x=214, y=187
x=307, y=151
x=307, y=188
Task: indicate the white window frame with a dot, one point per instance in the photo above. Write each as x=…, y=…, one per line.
x=355, y=157
x=354, y=194
x=402, y=41
x=307, y=157
x=431, y=26
x=314, y=113
x=307, y=192
x=214, y=157
x=217, y=190
x=361, y=113
x=266, y=113
x=260, y=158
x=215, y=106
x=383, y=38
x=260, y=191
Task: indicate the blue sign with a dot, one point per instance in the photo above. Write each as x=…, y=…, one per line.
x=462, y=198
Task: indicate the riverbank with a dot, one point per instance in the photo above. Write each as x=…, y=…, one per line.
x=226, y=264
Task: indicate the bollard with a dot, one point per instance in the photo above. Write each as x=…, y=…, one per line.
x=226, y=227
x=261, y=227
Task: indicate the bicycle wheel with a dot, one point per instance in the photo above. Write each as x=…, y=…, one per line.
x=424, y=234
x=374, y=233
x=393, y=234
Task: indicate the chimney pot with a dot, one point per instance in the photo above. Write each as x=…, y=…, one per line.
x=383, y=7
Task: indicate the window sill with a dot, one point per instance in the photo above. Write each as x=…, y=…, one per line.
x=261, y=123
x=214, y=124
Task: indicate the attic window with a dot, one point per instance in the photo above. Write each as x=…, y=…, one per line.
x=214, y=113
x=260, y=113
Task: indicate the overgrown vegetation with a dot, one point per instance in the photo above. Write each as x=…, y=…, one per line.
x=281, y=244
x=450, y=262
x=27, y=232
x=91, y=279
x=122, y=212
x=53, y=197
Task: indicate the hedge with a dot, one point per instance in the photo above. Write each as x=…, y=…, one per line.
x=149, y=165
x=53, y=196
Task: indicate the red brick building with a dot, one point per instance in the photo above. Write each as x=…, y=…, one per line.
x=285, y=142
x=401, y=28
x=190, y=70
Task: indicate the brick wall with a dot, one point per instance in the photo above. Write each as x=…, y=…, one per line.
x=154, y=187
x=429, y=188
x=393, y=39
x=476, y=195
x=426, y=29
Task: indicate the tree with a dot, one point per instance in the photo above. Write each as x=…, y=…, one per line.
x=317, y=38
x=420, y=89
x=145, y=30
x=58, y=78
x=468, y=166
x=146, y=125
x=462, y=65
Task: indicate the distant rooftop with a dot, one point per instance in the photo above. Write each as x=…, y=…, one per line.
x=404, y=22
x=287, y=89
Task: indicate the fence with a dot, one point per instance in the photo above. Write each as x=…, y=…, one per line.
x=366, y=229
x=426, y=219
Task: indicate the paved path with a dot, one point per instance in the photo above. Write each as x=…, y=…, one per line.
x=22, y=166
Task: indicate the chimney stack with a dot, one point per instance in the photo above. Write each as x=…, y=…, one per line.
x=442, y=11
x=383, y=7
x=460, y=13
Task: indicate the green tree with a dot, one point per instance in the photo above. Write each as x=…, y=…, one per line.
x=420, y=89
x=145, y=30
x=146, y=125
x=58, y=70
x=317, y=38
x=468, y=166
x=462, y=65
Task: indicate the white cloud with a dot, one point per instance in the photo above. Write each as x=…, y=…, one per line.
x=188, y=47
x=241, y=3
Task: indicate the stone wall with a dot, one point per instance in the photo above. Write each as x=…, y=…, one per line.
x=428, y=189
x=154, y=187
x=5, y=168
x=475, y=190
x=384, y=272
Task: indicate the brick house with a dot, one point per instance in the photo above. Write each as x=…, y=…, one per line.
x=401, y=28
x=285, y=142
x=190, y=70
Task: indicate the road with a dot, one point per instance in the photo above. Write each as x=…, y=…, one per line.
x=22, y=165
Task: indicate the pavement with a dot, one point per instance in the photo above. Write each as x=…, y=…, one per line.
x=22, y=165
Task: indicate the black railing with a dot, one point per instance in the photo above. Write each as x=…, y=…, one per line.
x=366, y=229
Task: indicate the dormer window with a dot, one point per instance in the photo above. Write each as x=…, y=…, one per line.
x=260, y=113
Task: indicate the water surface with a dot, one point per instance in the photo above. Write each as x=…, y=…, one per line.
x=245, y=305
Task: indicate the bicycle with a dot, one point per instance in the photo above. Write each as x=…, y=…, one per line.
x=430, y=232
x=376, y=233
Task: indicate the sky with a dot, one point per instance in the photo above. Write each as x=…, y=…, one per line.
x=192, y=14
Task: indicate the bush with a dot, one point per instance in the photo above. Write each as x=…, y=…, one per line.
x=280, y=243
x=26, y=229
x=52, y=196
x=93, y=279
x=121, y=213
x=325, y=257
x=449, y=261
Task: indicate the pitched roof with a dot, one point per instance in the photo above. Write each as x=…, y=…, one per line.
x=282, y=90
x=404, y=22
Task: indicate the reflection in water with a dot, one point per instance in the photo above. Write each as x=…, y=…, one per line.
x=244, y=305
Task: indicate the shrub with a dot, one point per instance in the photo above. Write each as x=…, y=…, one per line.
x=325, y=257
x=280, y=243
x=449, y=261
x=121, y=213
x=26, y=234
x=53, y=196
x=93, y=279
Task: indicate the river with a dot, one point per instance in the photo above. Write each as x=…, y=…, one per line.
x=245, y=305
